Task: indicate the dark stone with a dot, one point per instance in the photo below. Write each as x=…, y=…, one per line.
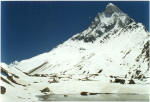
x=121, y=81
x=45, y=90
x=3, y=90
x=90, y=38
x=100, y=71
x=54, y=81
x=82, y=48
x=95, y=74
x=139, y=77
x=35, y=82
x=42, y=75
x=106, y=36
x=65, y=95
x=101, y=41
x=138, y=72
x=109, y=27
x=99, y=32
x=131, y=81
x=111, y=76
x=84, y=93
x=93, y=93
x=37, y=75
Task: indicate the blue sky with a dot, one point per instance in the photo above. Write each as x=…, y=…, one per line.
x=32, y=28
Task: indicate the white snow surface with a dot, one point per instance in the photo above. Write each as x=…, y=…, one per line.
x=70, y=56
x=87, y=66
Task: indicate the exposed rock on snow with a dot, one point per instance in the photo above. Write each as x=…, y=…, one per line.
x=110, y=56
x=45, y=90
x=84, y=93
x=3, y=90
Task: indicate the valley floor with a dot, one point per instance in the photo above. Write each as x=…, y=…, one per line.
x=28, y=93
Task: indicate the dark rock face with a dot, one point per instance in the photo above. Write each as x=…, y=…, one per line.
x=109, y=27
x=145, y=52
x=6, y=81
x=110, y=9
x=10, y=77
x=95, y=22
x=3, y=90
x=99, y=32
x=78, y=38
x=99, y=26
x=89, y=38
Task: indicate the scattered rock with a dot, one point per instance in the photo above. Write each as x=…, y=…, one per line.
x=84, y=93
x=94, y=74
x=53, y=81
x=42, y=75
x=10, y=76
x=111, y=76
x=100, y=71
x=138, y=72
x=121, y=81
x=85, y=79
x=131, y=81
x=82, y=48
x=45, y=90
x=6, y=81
x=65, y=95
x=93, y=93
x=3, y=90
x=37, y=75
x=35, y=82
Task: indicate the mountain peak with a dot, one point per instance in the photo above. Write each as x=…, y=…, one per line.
x=112, y=19
x=110, y=9
x=110, y=4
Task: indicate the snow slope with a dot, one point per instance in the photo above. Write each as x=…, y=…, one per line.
x=112, y=55
x=112, y=44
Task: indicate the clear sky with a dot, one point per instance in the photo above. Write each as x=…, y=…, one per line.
x=32, y=28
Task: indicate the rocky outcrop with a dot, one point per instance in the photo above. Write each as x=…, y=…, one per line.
x=3, y=90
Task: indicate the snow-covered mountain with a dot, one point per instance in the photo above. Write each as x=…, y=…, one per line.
x=113, y=49
x=113, y=45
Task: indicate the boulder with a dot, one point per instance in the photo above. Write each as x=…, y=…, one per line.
x=84, y=93
x=121, y=81
x=131, y=81
x=45, y=90
x=3, y=90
